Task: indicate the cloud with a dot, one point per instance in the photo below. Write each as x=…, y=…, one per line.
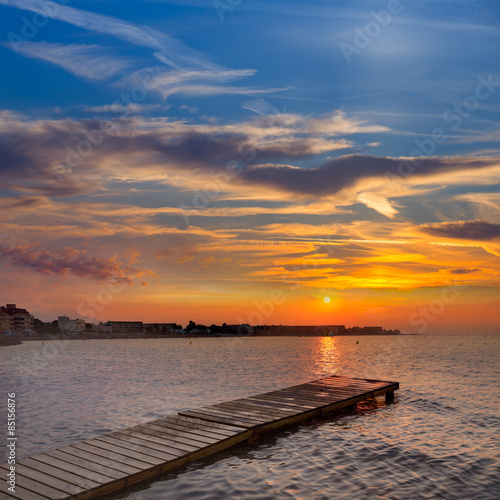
x=189, y=109
x=171, y=50
x=69, y=261
x=260, y=106
x=464, y=270
x=483, y=206
x=200, y=82
x=336, y=174
x=128, y=109
x=464, y=230
x=86, y=61
x=29, y=155
x=68, y=157
x=57, y=157
x=378, y=203
x=193, y=73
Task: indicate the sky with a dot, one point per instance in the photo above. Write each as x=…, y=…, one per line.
x=262, y=162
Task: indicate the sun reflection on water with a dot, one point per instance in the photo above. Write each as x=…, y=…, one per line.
x=328, y=358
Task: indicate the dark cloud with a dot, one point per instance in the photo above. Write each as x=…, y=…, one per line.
x=32, y=159
x=464, y=270
x=67, y=157
x=466, y=230
x=20, y=202
x=69, y=261
x=342, y=172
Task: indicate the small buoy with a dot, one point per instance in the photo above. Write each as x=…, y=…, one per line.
x=357, y=341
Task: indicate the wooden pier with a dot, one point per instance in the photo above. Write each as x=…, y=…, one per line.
x=109, y=463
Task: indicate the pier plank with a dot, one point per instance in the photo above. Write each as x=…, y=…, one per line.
x=298, y=398
x=49, y=480
x=233, y=415
x=266, y=403
x=184, y=435
x=300, y=407
x=219, y=428
x=51, y=471
x=285, y=398
x=135, y=438
x=97, y=459
x=195, y=431
x=138, y=446
x=342, y=387
x=121, y=458
x=24, y=494
x=257, y=409
x=120, y=447
x=86, y=465
x=97, y=477
x=312, y=392
x=109, y=463
x=155, y=437
x=203, y=415
x=163, y=433
x=31, y=484
x=228, y=409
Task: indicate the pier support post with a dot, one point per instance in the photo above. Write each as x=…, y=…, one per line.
x=389, y=397
x=254, y=438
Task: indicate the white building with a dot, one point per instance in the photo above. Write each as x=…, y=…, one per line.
x=67, y=325
x=20, y=322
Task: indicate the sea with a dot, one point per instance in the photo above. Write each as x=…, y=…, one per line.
x=439, y=439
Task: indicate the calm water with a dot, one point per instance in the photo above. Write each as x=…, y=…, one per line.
x=440, y=439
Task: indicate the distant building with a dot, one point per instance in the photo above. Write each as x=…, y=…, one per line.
x=244, y=329
x=330, y=330
x=103, y=328
x=67, y=325
x=5, y=323
x=20, y=320
x=161, y=327
x=121, y=327
x=372, y=329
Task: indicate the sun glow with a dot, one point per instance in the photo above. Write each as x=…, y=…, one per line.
x=327, y=300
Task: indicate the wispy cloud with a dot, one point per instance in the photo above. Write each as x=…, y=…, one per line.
x=125, y=109
x=193, y=73
x=196, y=82
x=170, y=49
x=86, y=61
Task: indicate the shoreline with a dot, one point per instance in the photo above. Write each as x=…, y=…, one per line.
x=136, y=337
x=7, y=341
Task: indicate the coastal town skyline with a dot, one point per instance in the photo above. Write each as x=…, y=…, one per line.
x=339, y=164
x=17, y=321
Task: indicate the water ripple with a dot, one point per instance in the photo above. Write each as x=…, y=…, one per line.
x=439, y=440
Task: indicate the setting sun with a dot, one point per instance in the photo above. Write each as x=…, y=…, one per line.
x=327, y=300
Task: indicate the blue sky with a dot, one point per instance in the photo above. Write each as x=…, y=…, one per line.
x=137, y=138
x=426, y=59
